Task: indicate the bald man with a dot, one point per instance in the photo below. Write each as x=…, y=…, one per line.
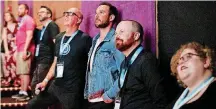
x=139, y=83
x=68, y=68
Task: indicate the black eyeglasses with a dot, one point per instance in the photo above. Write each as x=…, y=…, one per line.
x=186, y=57
x=70, y=14
x=42, y=12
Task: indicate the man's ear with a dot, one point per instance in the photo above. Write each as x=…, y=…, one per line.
x=49, y=15
x=79, y=21
x=207, y=62
x=136, y=36
x=112, y=17
x=26, y=11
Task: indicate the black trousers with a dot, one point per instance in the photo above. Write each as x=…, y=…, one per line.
x=98, y=105
x=55, y=94
x=39, y=74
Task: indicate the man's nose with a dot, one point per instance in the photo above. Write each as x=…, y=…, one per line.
x=116, y=36
x=96, y=15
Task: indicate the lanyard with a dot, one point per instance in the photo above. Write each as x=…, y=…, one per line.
x=21, y=22
x=43, y=30
x=184, y=98
x=124, y=71
x=62, y=47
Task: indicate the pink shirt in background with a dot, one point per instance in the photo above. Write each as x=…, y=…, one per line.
x=27, y=23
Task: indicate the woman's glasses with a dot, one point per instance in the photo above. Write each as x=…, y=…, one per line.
x=186, y=57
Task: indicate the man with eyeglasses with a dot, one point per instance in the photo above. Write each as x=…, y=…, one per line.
x=45, y=46
x=104, y=60
x=68, y=68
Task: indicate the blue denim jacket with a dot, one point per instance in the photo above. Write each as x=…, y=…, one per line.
x=105, y=67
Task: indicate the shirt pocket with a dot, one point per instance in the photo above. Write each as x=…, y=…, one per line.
x=104, y=59
x=105, y=53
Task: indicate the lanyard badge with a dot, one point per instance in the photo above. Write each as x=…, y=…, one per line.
x=38, y=45
x=41, y=37
x=60, y=64
x=60, y=69
x=37, y=50
x=117, y=102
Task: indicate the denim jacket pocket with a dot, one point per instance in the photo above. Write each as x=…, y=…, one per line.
x=103, y=60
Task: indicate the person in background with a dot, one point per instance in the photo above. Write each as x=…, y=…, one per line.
x=194, y=67
x=68, y=68
x=45, y=46
x=25, y=50
x=9, y=64
x=103, y=61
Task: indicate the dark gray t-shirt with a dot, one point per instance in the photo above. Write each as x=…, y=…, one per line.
x=47, y=46
x=75, y=61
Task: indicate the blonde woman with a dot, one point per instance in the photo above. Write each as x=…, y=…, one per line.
x=194, y=67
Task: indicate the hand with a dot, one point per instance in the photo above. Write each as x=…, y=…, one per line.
x=41, y=86
x=97, y=94
x=24, y=55
x=108, y=101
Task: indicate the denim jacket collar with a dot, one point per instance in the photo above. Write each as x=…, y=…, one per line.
x=108, y=36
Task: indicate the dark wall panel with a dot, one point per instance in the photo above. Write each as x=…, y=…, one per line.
x=182, y=22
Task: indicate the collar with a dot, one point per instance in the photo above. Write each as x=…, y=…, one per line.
x=23, y=18
x=78, y=31
x=131, y=54
x=47, y=23
x=108, y=36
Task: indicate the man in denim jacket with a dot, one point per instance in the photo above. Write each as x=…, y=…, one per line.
x=104, y=61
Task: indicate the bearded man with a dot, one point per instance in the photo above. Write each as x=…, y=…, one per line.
x=140, y=84
x=103, y=61
x=45, y=46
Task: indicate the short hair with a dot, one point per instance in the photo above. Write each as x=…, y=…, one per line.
x=48, y=9
x=26, y=6
x=204, y=52
x=112, y=10
x=138, y=28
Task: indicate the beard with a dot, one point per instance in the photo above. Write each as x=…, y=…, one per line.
x=43, y=19
x=123, y=46
x=21, y=14
x=103, y=24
